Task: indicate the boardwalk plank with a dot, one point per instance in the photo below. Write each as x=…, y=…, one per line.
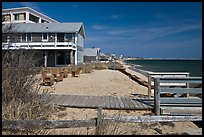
x=103, y=101
x=121, y=103
x=125, y=103
x=63, y=97
x=108, y=102
x=139, y=102
x=116, y=102
x=129, y=103
x=139, y=105
x=95, y=101
x=56, y=98
x=84, y=101
x=74, y=100
x=90, y=102
x=135, y=103
x=67, y=101
x=79, y=100
x=112, y=102
x=113, y=105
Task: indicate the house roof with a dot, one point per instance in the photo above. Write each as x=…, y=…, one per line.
x=50, y=28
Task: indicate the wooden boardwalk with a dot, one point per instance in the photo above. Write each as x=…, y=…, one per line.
x=106, y=102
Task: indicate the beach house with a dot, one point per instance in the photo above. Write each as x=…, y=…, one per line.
x=91, y=54
x=24, y=15
x=59, y=44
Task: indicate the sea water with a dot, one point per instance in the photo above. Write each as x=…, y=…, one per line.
x=194, y=67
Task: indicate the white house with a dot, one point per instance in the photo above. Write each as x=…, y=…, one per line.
x=60, y=44
x=25, y=15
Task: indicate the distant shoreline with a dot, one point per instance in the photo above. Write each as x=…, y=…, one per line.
x=194, y=67
x=160, y=59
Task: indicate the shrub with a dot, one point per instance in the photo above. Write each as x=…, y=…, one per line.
x=20, y=89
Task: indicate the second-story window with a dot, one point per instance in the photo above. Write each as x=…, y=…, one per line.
x=6, y=17
x=68, y=37
x=28, y=36
x=16, y=17
x=44, y=37
x=23, y=37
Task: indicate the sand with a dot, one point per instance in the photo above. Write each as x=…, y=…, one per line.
x=105, y=83
x=100, y=83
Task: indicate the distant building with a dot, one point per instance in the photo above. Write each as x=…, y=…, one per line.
x=105, y=57
x=91, y=54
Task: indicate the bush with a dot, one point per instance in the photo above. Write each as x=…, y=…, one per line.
x=20, y=89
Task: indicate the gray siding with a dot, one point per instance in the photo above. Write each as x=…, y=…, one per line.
x=91, y=51
x=80, y=40
x=80, y=56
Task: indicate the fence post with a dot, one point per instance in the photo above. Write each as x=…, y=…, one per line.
x=98, y=120
x=187, y=86
x=149, y=85
x=157, y=96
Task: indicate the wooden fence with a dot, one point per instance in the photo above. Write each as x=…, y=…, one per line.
x=181, y=103
x=151, y=75
x=98, y=121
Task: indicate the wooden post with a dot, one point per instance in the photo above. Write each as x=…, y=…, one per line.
x=98, y=120
x=187, y=86
x=149, y=85
x=157, y=96
x=45, y=58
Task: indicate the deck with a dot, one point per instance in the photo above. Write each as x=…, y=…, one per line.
x=106, y=102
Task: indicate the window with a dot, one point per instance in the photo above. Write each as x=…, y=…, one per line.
x=6, y=17
x=22, y=16
x=61, y=58
x=68, y=37
x=24, y=37
x=33, y=18
x=44, y=21
x=16, y=16
x=28, y=36
x=44, y=37
x=4, y=38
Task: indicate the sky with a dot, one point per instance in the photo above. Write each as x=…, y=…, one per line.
x=137, y=29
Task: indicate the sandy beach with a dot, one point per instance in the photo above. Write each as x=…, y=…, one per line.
x=110, y=83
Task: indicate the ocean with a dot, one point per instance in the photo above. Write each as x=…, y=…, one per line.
x=194, y=67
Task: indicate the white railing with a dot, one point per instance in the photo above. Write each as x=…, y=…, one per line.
x=166, y=74
x=40, y=45
x=177, y=102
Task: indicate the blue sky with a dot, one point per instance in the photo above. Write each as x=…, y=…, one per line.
x=140, y=29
